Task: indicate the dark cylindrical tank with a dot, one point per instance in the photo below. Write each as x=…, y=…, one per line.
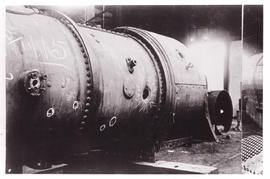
x=72, y=86
x=220, y=109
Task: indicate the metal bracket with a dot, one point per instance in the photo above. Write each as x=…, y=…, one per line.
x=131, y=63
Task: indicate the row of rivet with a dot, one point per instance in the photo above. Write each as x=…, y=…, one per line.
x=180, y=86
x=103, y=30
x=71, y=27
x=85, y=114
x=159, y=75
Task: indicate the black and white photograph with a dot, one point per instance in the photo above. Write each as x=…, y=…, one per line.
x=133, y=89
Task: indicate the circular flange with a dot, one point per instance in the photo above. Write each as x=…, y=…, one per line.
x=35, y=83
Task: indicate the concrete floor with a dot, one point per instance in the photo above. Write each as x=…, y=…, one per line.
x=225, y=154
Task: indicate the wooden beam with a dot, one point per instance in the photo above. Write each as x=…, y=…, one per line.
x=54, y=169
x=178, y=167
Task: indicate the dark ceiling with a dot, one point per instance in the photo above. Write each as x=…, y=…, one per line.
x=253, y=28
x=177, y=21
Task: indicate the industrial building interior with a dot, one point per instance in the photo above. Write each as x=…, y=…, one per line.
x=224, y=46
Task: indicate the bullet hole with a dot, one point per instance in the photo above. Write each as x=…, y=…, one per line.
x=180, y=55
x=112, y=121
x=102, y=127
x=50, y=112
x=75, y=105
x=189, y=66
x=146, y=92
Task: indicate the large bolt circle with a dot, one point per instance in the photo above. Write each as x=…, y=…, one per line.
x=35, y=83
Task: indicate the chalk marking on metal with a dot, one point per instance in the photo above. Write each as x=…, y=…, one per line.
x=10, y=76
x=55, y=64
x=15, y=40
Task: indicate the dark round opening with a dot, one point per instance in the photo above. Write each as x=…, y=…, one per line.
x=224, y=110
x=146, y=92
x=35, y=82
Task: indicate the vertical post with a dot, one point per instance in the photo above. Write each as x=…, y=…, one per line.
x=85, y=15
x=119, y=16
x=226, y=66
x=103, y=16
x=241, y=85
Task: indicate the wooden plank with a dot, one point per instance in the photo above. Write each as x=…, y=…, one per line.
x=178, y=167
x=54, y=169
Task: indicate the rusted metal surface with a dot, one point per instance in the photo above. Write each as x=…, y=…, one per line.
x=72, y=86
x=44, y=118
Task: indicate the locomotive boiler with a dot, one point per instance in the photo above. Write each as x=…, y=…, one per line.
x=72, y=87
